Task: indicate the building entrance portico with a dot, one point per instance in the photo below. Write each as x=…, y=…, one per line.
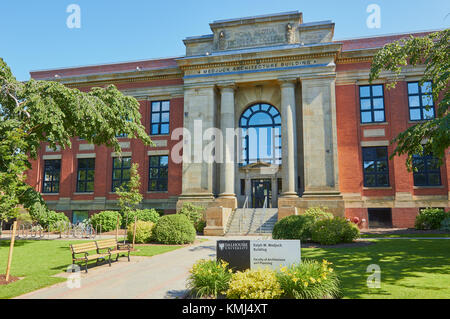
x=272, y=77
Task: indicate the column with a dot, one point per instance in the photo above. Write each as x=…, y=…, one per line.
x=288, y=136
x=228, y=146
x=320, y=137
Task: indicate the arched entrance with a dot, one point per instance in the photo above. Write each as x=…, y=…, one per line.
x=261, y=153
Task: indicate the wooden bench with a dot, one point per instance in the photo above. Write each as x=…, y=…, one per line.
x=113, y=247
x=87, y=249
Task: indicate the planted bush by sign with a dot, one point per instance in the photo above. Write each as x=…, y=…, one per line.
x=174, y=229
x=318, y=213
x=334, y=231
x=293, y=227
x=254, y=284
x=143, y=232
x=430, y=218
x=309, y=280
x=209, y=278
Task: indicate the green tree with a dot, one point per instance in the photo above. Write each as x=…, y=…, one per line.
x=129, y=194
x=34, y=112
x=433, y=51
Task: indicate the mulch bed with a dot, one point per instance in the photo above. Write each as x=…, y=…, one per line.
x=11, y=279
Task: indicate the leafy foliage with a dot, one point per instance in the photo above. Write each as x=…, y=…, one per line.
x=309, y=280
x=174, y=229
x=209, y=278
x=143, y=232
x=195, y=215
x=254, y=284
x=146, y=215
x=318, y=213
x=430, y=218
x=107, y=220
x=129, y=195
x=36, y=112
x=334, y=231
x=433, y=51
x=294, y=227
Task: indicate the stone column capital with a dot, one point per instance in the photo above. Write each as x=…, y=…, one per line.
x=288, y=82
x=228, y=87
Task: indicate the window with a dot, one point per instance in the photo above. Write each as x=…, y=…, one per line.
x=159, y=120
x=52, y=170
x=120, y=171
x=242, y=187
x=261, y=135
x=85, y=177
x=380, y=217
x=371, y=100
x=376, y=167
x=79, y=216
x=426, y=171
x=158, y=173
x=420, y=99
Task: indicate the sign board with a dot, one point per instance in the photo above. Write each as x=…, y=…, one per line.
x=253, y=254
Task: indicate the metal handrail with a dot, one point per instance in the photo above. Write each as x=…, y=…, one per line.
x=264, y=213
x=241, y=219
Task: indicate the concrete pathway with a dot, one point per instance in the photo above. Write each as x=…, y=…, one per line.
x=157, y=277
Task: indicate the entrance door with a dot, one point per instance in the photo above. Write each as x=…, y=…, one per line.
x=261, y=188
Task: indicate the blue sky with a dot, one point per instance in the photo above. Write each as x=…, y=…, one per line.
x=34, y=35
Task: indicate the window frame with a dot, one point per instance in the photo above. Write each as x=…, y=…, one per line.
x=162, y=182
x=376, y=172
x=53, y=182
x=122, y=168
x=419, y=94
x=372, y=109
x=245, y=138
x=160, y=123
x=85, y=181
x=427, y=171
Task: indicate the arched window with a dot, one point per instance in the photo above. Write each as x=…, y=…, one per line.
x=261, y=134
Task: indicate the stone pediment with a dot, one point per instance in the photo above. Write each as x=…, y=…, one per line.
x=259, y=31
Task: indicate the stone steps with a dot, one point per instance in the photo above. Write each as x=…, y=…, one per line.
x=252, y=221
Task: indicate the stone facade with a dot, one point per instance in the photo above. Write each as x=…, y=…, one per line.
x=277, y=60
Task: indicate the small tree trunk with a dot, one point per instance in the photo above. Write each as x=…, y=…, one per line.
x=11, y=248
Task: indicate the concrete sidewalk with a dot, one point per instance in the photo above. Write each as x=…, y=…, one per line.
x=157, y=277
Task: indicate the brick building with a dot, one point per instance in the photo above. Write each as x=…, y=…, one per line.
x=320, y=131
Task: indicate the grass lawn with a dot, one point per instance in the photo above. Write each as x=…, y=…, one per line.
x=404, y=235
x=416, y=268
x=38, y=261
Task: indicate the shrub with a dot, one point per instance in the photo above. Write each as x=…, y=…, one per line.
x=195, y=215
x=430, y=218
x=318, y=213
x=445, y=224
x=108, y=220
x=254, y=284
x=145, y=215
x=143, y=232
x=334, y=231
x=293, y=227
x=309, y=280
x=209, y=278
x=174, y=229
x=53, y=220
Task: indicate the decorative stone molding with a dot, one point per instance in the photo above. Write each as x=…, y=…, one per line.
x=52, y=157
x=90, y=155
